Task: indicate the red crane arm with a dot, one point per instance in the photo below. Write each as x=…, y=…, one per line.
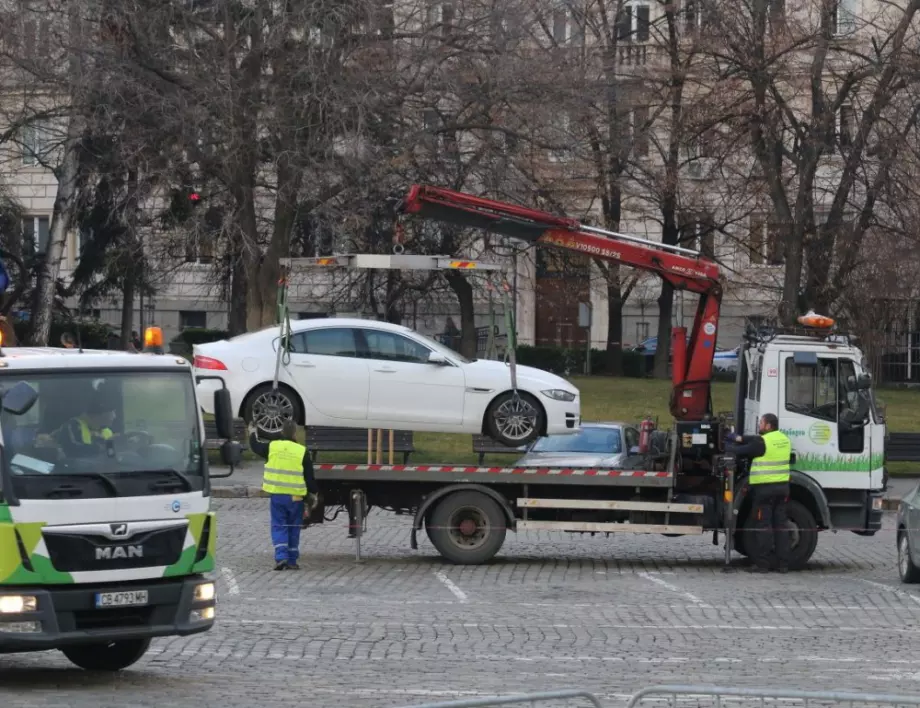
x=692, y=360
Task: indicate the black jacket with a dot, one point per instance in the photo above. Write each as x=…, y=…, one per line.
x=751, y=446
x=261, y=449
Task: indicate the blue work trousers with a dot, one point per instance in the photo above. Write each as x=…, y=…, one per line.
x=287, y=517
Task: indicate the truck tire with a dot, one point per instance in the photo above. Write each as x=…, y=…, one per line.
x=803, y=534
x=467, y=528
x=107, y=656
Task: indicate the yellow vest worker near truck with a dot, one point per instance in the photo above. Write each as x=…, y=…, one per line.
x=770, y=454
x=287, y=478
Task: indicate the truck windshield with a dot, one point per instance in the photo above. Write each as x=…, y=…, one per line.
x=97, y=434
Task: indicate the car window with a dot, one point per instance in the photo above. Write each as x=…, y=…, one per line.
x=597, y=440
x=394, y=347
x=327, y=341
x=632, y=438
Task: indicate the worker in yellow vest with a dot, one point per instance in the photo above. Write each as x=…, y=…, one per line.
x=770, y=454
x=287, y=478
x=88, y=434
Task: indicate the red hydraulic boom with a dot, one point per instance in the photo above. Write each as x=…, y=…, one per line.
x=683, y=268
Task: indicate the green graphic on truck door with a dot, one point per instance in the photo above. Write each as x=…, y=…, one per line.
x=24, y=556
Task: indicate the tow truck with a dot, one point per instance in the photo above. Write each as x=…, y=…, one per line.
x=106, y=537
x=675, y=482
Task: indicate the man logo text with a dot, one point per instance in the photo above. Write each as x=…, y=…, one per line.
x=116, y=552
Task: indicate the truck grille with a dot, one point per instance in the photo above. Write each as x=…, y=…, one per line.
x=75, y=553
x=107, y=619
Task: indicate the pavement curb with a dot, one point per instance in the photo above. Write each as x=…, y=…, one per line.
x=249, y=491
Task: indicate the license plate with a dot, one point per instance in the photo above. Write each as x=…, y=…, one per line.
x=129, y=598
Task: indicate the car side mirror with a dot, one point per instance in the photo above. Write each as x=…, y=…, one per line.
x=437, y=359
x=19, y=399
x=223, y=414
x=231, y=453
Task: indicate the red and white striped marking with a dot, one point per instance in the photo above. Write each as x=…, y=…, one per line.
x=460, y=469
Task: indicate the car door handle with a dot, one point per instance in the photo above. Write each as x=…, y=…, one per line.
x=305, y=365
x=386, y=371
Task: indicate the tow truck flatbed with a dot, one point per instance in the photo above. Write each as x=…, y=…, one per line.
x=494, y=475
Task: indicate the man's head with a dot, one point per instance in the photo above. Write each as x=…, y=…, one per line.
x=68, y=341
x=288, y=430
x=768, y=423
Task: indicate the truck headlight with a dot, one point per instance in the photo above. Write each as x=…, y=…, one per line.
x=559, y=394
x=204, y=592
x=15, y=604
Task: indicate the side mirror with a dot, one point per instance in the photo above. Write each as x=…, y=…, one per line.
x=19, y=399
x=223, y=414
x=863, y=382
x=231, y=453
x=437, y=359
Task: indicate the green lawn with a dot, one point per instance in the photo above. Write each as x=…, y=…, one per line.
x=627, y=399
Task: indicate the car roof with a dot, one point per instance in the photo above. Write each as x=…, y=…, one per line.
x=322, y=322
x=51, y=358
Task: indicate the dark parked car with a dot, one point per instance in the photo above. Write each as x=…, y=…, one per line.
x=909, y=537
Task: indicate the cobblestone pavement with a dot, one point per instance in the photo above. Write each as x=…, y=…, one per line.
x=608, y=614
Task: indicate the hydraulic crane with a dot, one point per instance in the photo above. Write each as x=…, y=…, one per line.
x=681, y=267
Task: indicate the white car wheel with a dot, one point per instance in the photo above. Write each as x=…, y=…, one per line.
x=515, y=419
x=268, y=408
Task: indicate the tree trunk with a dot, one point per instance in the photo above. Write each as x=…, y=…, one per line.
x=127, y=311
x=65, y=203
x=236, y=320
x=615, y=304
x=464, y=292
x=665, y=315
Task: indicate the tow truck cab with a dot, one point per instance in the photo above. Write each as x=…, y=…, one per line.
x=106, y=532
x=818, y=386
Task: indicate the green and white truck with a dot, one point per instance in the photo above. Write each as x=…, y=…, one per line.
x=106, y=532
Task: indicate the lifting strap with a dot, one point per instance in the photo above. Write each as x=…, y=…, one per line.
x=284, y=321
x=510, y=349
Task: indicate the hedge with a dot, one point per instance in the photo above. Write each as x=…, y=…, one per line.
x=200, y=335
x=93, y=335
x=568, y=362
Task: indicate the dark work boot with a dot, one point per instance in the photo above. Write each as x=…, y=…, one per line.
x=281, y=565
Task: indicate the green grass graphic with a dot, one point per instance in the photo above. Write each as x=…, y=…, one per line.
x=837, y=463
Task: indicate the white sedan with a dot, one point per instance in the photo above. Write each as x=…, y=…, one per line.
x=366, y=374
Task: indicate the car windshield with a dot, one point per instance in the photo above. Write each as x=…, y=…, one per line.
x=599, y=440
x=446, y=351
x=104, y=434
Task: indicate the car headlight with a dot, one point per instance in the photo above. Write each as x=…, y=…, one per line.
x=559, y=394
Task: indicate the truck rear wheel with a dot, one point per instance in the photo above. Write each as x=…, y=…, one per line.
x=803, y=535
x=467, y=528
x=107, y=656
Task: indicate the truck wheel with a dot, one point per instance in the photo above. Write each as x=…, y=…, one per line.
x=907, y=569
x=467, y=528
x=107, y=656
x=803, y=534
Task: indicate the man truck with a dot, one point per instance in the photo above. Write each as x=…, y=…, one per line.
x=106, y=532
x=675, y=482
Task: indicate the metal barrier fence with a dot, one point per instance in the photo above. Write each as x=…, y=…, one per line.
x=687, y=696
x=531, y=698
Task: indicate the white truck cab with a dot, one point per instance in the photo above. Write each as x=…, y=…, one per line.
x=817, y=385
x=106, y=532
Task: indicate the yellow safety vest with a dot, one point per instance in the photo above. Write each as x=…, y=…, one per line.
x=773, y=466
x=87, y=434
x=284, y=469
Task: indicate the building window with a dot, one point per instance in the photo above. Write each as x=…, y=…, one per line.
x=36, y=233
x=698, y=233
x=843, y=16
x=846, y=126
x=36, y=143
x=199, y=249
x=633, y=23
x=193, y=319
x=765, y=245
x=642, y=329
x=441, y=16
